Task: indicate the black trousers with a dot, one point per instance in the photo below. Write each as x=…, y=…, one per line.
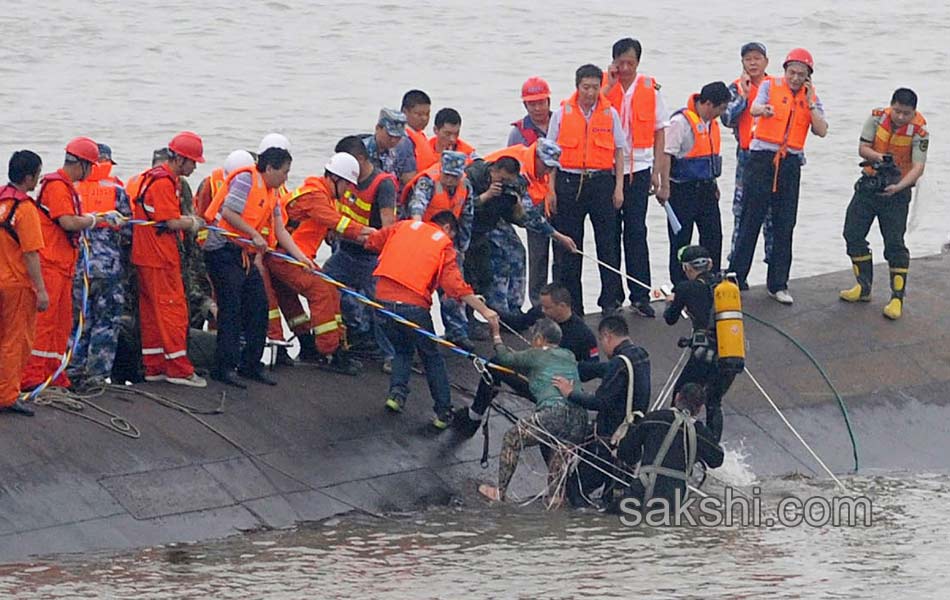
x=758, y=199
x=891, y=215
x=577, y=197
x=696, y=203
x=633, y=225
x=716, y=382
x=242, y=309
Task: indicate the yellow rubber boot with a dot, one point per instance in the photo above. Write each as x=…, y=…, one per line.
x=894, y=308
x=864, y=272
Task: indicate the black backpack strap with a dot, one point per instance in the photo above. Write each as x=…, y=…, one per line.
x=8, y=222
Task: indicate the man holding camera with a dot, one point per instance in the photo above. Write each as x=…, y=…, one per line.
x=893, y=145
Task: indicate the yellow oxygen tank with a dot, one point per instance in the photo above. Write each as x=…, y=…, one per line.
x=730, y=334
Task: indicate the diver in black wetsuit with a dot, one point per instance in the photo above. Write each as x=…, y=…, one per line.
x=667, y=443
x=695, y=294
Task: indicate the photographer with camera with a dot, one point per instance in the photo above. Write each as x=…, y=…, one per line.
x=893, y=145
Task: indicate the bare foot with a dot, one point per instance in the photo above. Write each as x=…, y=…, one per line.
x=490, y=492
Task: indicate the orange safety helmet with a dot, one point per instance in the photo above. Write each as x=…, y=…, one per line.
x=535, y=88
x=83, y=148
x=800, y=55
x=188, y=144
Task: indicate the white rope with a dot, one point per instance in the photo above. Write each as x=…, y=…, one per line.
x=667, y=388
x=794, y=431
x=655, y=293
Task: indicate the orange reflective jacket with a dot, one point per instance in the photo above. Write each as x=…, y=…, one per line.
x=413, y=255
x=358, y=204
x=587, y=145
x=310, y=212
x=897, y=142
x=538, y=187
x=791, y=121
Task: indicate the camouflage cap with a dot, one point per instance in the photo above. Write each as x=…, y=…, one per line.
x=549, y=152
x=393, y=121
x=453, y=163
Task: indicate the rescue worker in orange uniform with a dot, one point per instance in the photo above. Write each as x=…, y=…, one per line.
x=589, y=182
x=371, y=203
x=444, y=186
x=416, y=258
x=786, y=109
x=248, y=206
x=22, y=289
x=62, y=221
x=638, y=101
x=693, y=147
x=894, y=145
x=738, y=117
x=414, y=149
x=163, y=309
x=311, y=212
x=104, y=195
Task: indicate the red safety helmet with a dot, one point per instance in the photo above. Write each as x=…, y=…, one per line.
x=83, y=148
x=535, y=88
x=800, y=55
x=188, y=144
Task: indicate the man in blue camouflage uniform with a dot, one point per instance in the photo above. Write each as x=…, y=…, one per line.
x=92, y=362
x=381, y=144
x=754, y=62
x=496, y=263
x=452, y=167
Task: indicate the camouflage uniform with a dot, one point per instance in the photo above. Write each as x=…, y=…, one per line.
x=504, y=284
x=193, y=271
x=95, y=353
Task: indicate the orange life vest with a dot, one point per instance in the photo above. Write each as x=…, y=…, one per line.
x=641, y=119
x=139, y=185
x=99, y=191
x=425, y=154
x=258, y=209
x=744, y=126
x=358, y=204
x=538, y=187
x=587, y=145
x=703, y=161
x=413, y=256
x=791, y=121
x=61, y=245
x=213, y=182
x=897, y=143
x=433, y=157
x=11, y=193
x=441, y=200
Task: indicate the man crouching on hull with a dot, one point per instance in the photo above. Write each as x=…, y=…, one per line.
x=667, y=443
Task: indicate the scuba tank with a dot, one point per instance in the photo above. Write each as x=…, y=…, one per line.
x=730, y=334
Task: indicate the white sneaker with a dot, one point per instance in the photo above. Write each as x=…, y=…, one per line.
x=154, y=378
x=782, y=296
x=192, y=380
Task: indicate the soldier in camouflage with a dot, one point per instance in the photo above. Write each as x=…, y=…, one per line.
x=101, y=192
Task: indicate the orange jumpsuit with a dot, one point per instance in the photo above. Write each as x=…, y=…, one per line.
x=310, y=212
x=163, y=309
x=17, y=296
x=58, y=257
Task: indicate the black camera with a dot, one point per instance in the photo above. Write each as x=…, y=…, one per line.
x=511, y=189
x=885, y=173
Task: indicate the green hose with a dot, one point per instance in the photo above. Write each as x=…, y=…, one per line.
x=824, y=375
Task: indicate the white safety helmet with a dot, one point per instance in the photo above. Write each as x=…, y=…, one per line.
x=237, y=160
x=273, y=140
x=344, y=165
